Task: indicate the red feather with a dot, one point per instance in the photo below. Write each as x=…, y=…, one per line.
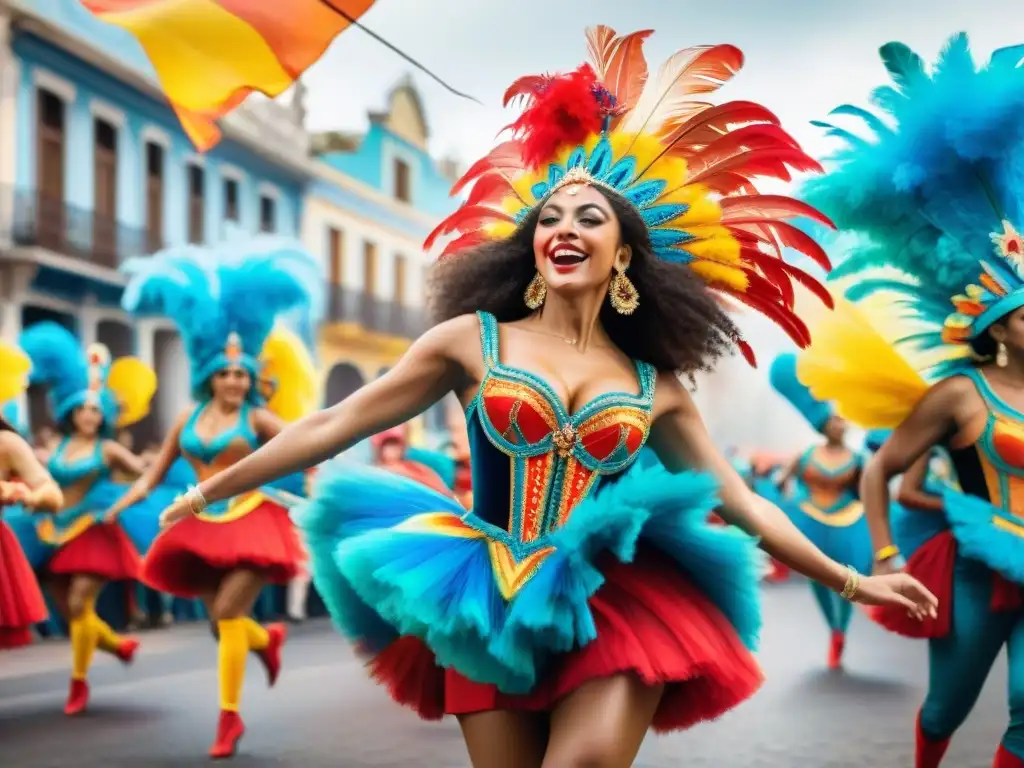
x=749, y=207
x=791, y=237
x=773, y=272
x=490, y=188
x=466, y=218
x=792, y=325
x=506, y=157
x=463, y=243
x=716, y=121
x=526, y=87
x=619, y=63
x=756, y=162
x=730, y=184
x=747, y=351
x=566, y=113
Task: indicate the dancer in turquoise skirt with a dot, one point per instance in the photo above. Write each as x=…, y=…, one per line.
x=584, y=599
x=825, y=504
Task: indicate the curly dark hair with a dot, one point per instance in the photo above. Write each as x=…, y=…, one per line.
x=678, y=327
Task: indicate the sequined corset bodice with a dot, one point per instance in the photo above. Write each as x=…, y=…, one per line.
x=67, y=473
x=829, y=486
x=993, y=468
x=210, y=456
x=532, y=461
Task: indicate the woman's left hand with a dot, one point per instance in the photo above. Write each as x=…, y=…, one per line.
x=179, y=509
x=897, y=589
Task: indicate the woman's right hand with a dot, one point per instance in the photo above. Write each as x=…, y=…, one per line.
x=179, y=509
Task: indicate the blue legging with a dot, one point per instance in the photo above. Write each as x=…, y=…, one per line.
x=836, y=610
x=959, y=663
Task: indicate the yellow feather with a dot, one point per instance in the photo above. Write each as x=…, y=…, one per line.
x=713, y=243
x=288, y=363
x=719, y=274
x=14, y=369
x=499, y=230
x=851, y=364
x=134, y=384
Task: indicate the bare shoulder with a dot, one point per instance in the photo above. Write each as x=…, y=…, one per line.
x=670, y=395
x=951, y=394
x=457, y=339
x=12, y=444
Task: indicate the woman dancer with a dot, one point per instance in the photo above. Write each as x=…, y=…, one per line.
x=24, y=482
x=580, y=602
x=935, y=348
x=225, y=305
x=90, y=399
x=825, y=504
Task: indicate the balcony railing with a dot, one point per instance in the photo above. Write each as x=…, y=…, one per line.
x=380, y=315
x=35, y=220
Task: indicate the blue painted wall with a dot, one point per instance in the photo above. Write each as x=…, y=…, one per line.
x=141, y=111
x=373, y=164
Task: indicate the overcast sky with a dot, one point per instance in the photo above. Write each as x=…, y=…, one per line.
x=803, y=58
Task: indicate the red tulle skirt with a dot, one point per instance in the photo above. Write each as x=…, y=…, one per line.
x=21, y=602
x=651, y=623
x=102, y=550
x=190, y=558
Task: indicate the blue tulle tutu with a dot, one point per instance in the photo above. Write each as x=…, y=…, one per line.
x=390, y=557
x=986, y=533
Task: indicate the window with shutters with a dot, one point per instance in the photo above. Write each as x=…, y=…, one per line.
x=403, y=182
x=104, y=192
x=154, y=195
x=268, y=214
x=335, y=256
x=196, y=204
x=369, y=268
x=50, y=151
x=231, y=207
x=401, y=289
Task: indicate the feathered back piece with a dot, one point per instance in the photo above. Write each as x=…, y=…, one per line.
x=936, y=194
x=687, y=166
x=14, y=372
x=122, y=389
x=784, y=379
x=224, y=300
x=288, y=375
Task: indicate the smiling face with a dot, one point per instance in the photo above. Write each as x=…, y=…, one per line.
x=231, y=385
x=577, y=241
x=1010, y=331
x=87, y=420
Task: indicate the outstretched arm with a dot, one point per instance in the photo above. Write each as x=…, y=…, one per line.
x=428, y=371
x=44, y=493
x=153, y=475
x=682, y=442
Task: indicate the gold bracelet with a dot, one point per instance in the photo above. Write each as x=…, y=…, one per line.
x=852, y=584
x=886, y=552
x=196, y=501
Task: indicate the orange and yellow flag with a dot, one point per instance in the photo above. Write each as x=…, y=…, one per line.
x=211, y=54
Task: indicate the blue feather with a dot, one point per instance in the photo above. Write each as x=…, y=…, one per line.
x=238, y=287
x=784, y=380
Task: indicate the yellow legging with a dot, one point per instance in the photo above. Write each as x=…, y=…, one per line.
x=89, y=632
x=237, y=638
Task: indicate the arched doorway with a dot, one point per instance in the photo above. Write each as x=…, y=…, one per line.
x=39, y=416
x=342, y=381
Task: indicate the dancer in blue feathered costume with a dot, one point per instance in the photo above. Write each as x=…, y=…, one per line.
x=930, y=343
x=225, y=302
x=825, y=504
x=90, y=397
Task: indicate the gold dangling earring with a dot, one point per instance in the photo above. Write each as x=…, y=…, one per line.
x=1002, y=357
x=536, y=292
x=622, y=294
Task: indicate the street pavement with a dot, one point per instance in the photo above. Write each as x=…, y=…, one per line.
x=324, y=712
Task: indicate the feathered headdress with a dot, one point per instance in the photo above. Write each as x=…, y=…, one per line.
x=224, y=300
x=121, y=389
x=288, y=375
x=935, y=195
x=686, y=166
x=784, y=379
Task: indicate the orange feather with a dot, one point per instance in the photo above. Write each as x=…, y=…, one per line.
x=619, y=62
x=467, y=217
x=769, y=207
x=714, y=122
x=666, y=98
x=506, y=157
x=525, y=87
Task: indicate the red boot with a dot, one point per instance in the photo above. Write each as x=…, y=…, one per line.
x=271, y=655
x=230, y=730
x=126, y=650
x=929, y=753
x=1006, y=759
x=835, y=650
x=78, y=697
